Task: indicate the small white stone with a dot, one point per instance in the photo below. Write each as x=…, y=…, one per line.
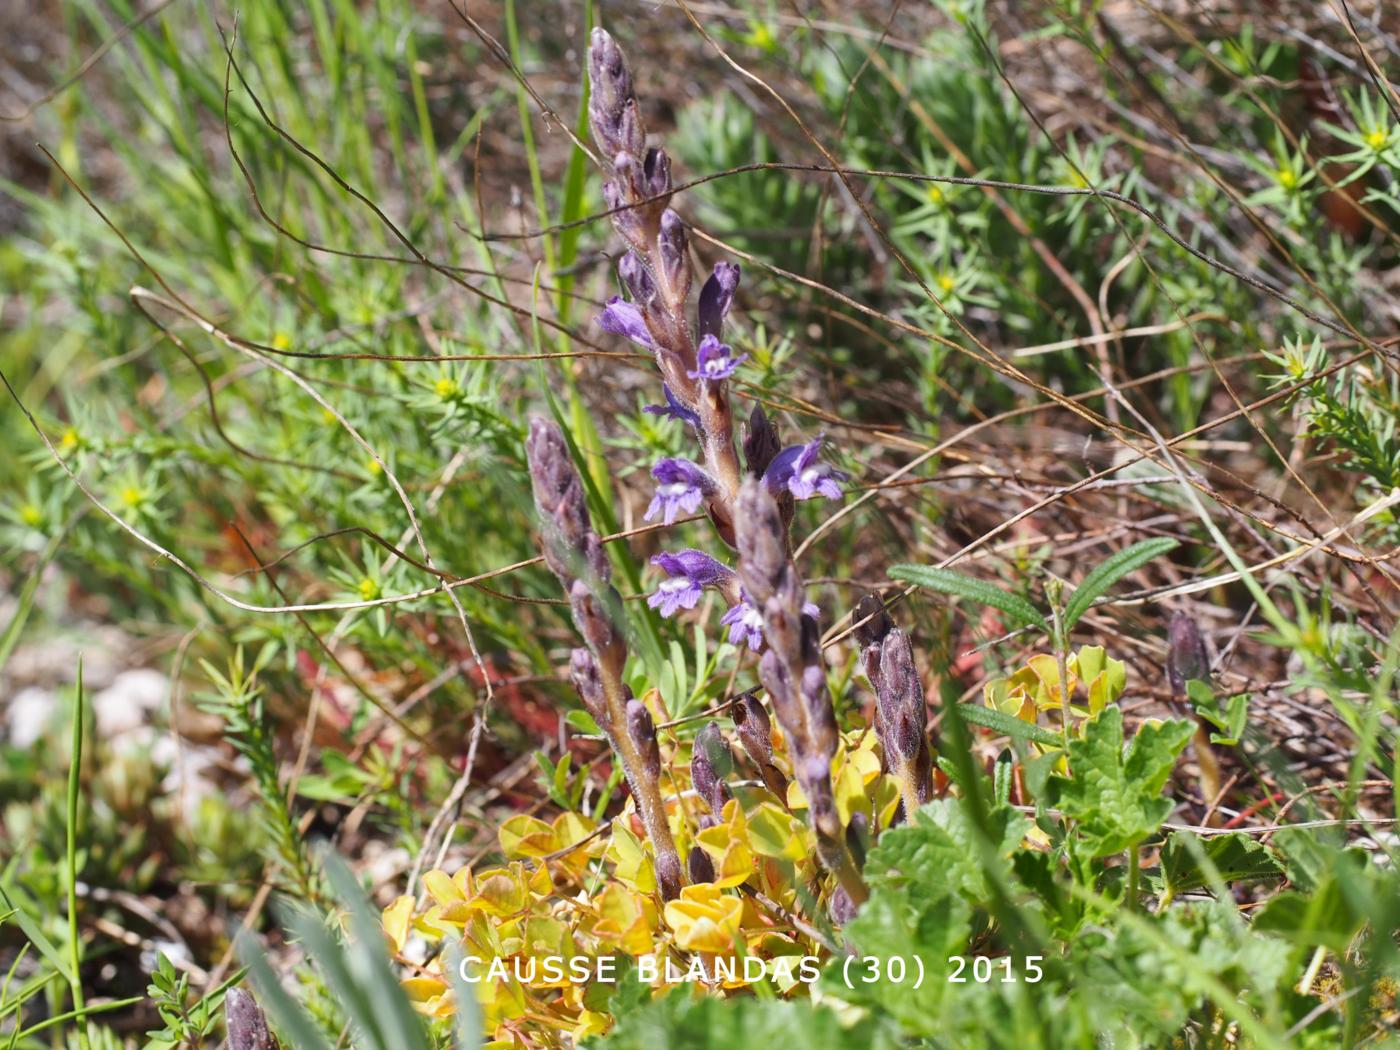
x=29, y=713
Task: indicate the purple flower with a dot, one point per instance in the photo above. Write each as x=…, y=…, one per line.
x=673, y=409
x=623, y=318
x=715, y=361
x=680, y=486
x=716, y=296
x=798, y=469
x=745, y=622
x=688, y=573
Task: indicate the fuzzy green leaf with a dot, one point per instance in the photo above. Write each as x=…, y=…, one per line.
x=1109, y=572
x=1116, y=795
x=1235, y=858
x=1009, y=725
x=960, y=585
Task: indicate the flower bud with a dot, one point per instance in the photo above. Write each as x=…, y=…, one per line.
x=569, y=545
x=610, y=84
x=631, y=132
x=709, y=763
x=674, y=258
x=1187, y=659
x=625, y=218
x=638, y=279
x=755, y=729
x=872, y=621
x=756, y=734
x=761, y=441
x=841, y=908
x=247, y=1027
x=643, y=733
x=699, y=866
x=716, y=296
x=763, y=560
x=773, y=673
x=591, y=617
x=656, y=176
x=857, y=833
x=588, y=682
x=668, y=874
x=900, y=696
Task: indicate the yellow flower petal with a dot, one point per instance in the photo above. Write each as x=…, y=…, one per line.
x=396, y=920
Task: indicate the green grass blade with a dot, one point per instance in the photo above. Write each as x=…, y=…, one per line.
x=38, y=938
x=27, y=594
x=75, y=945
x=291, y=1019
x=468, y=1023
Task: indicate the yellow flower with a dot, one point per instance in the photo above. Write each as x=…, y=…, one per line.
x=429, y=996
x=396, y=919
x=855, y=781
x=1286, y=178
x=728, y=846
x=934, y=194
x=447, y=388
x=1377, y=138
x=69, y=440
x=590, y=1023
x=947, y=282
x=625, y=919
x=281, y=341
x=705, y=920
x=368, y=589
x=31, y=515
x=631, y=862
x=131, y=497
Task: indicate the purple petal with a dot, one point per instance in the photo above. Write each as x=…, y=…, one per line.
x=694, y=565
x=688, y=573
x=673, y=409
x=678, y=592
x=623, y=318
x=680, y=486
x=745, y=625
x=799, y=470
x=745, y=622
x=715, y=360
x=716, y=296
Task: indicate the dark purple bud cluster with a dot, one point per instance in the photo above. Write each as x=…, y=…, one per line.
x=708, y=755
x=571, y=547
x=642, y=730
x=588, y=683
x=575, y=554
x=792, y=671
x=247, y=1027
x=1187, y=659
x=900, y=716
x=695, y=362
x=761, y=442
x=699, y=866
x=756, y=735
